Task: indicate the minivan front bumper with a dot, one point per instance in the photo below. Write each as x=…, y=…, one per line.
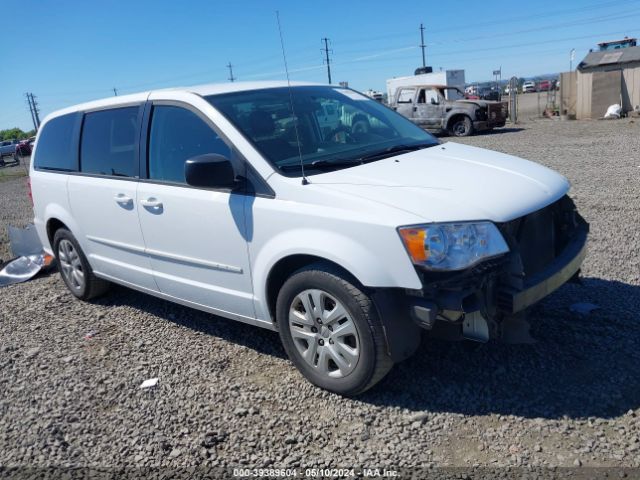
x=547, y=248
x=556, y=274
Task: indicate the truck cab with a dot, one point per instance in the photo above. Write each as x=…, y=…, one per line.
x=441, y=108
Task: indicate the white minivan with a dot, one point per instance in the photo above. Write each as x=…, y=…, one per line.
x=237, y=200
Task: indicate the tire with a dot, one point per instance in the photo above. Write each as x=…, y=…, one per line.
x=347, y=364
x=461, y=127
x=74, y=267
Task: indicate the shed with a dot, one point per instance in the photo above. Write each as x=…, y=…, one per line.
x=607, y=77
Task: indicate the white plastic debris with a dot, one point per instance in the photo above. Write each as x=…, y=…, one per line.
x=613, y=111
x=21, y=269
x=583, y=308
x=151, y=382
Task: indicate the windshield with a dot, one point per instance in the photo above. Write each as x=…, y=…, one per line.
x=335, y=127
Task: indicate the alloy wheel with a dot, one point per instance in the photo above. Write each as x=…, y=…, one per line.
x=70, y=265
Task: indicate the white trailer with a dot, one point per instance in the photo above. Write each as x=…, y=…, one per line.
x=450, y=78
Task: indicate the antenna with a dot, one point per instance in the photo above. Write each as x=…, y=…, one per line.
x=293, y=113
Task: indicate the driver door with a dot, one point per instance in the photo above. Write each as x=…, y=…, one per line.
x=430, y=108
x=405, y=102
x=196, y=238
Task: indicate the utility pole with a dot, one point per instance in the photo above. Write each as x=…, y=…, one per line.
x=422, y=45
x=33, y=117
x=36, y=112
x=572, y=55
x=115, y=92
x=326, y=57
x=231, y=77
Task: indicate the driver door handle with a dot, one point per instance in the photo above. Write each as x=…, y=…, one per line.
x=122, y=199
x=151, y=202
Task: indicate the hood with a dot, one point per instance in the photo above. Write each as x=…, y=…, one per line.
x=451, y=182
x=480, y=103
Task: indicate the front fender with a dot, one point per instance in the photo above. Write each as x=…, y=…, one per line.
x=373, y=265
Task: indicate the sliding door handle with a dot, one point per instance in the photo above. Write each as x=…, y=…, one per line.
x=151, y=202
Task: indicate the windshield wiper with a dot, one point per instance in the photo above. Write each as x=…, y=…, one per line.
x=323, y=164
x=389, y=151
x=332, y=164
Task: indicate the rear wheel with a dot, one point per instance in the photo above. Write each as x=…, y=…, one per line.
x=330, y=329
x=74, y=267
x=461, y=127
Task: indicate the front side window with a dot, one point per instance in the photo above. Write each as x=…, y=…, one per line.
x=406, y=95
x=325, y=128
x=55, y=150
x=177, y=134
x=108, y=145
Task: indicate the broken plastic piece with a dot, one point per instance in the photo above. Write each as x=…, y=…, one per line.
x=24, y=241
x=152, y=382
x=21, y=269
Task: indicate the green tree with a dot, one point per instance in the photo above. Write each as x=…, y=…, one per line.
x=12, y=133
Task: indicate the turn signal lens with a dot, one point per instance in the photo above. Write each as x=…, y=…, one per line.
x=414, y=241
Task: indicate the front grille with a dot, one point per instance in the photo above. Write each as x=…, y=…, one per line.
x=539, y=237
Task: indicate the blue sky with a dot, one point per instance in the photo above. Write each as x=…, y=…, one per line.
x=70, y=51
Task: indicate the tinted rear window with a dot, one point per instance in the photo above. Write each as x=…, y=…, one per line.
x=108, y=145
x=55, y=146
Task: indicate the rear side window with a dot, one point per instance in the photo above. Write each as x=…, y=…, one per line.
x=55, y=146
x=108, y=144
x=177, y=135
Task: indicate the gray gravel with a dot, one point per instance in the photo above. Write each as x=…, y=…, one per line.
x=15, y=208
x=70, y=371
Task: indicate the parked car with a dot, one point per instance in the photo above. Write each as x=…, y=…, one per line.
x=528, y=87
x=349, y=243
x=489, y=94
x=9, y=148
x=23, y=148
x=545, y=85
x=428, y=107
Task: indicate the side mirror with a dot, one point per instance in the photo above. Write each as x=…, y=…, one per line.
x=434, y=101
x=210, y=171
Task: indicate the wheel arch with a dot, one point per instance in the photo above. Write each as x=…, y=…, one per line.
x=456, y=114
x=285, y=267
x=53, y=225
x=55, y=217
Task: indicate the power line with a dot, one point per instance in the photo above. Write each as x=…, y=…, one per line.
x=326, y=53
x=231, y=77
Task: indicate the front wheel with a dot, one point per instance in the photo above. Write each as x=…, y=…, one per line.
x=461, y=127
x=330, y=330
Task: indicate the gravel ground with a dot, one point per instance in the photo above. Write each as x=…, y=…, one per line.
x=70, y=371
x=14, y=205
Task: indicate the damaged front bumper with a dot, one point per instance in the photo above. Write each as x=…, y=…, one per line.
x=547, y=248
x=486, y=301
x=559, y=272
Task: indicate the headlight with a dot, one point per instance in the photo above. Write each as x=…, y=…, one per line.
x=452, y=246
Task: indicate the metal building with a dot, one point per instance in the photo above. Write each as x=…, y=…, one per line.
x=608, y=76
